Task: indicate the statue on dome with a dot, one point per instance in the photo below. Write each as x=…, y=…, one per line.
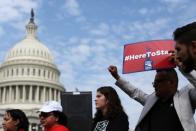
x=32, y=16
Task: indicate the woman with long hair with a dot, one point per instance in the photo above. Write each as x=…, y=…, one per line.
x=110, y=115
x=15, y=120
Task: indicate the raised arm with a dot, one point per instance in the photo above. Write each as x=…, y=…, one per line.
x=127, y=87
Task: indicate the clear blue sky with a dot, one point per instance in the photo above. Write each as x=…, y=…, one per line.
x=86, y=36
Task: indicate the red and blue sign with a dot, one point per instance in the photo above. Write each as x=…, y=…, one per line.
x=148, y=55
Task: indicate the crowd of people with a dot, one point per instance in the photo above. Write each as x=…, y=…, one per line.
x=51, y=118
x=166, y=109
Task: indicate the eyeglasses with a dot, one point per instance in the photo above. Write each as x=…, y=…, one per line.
x=45, y=115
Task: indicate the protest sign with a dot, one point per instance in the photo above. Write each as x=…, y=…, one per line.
x=148, y=55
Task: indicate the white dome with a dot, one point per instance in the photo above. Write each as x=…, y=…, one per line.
x=30, y=48
x=28, y=77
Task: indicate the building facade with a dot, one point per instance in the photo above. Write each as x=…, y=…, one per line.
x=29, y=77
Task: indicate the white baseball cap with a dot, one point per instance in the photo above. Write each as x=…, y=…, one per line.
x=50, y=106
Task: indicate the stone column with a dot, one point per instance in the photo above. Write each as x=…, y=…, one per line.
x=10, y=94
x=30, y=93
x=23, y=93
x=44, y=94
x=0, y=95
x=37, y=94
x=3, y=98
x=17, y=93
x=50, y=93
x=30, y=127
x=55, y=94
x=59, y=95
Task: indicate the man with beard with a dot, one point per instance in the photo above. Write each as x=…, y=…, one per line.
x=166, y=109
x=185, y=38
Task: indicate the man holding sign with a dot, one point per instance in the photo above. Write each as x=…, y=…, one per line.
x=167, y=109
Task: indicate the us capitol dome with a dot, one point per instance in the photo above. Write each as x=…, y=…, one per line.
x=29, y=77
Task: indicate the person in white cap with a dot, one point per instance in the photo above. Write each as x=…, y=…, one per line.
x=52, y=118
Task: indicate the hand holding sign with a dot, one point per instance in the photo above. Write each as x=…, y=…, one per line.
x=174, y=60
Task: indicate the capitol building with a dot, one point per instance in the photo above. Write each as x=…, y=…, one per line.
x=29, y=77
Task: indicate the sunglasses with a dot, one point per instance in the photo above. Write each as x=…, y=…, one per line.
x=45, y=115
x=157, y=82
